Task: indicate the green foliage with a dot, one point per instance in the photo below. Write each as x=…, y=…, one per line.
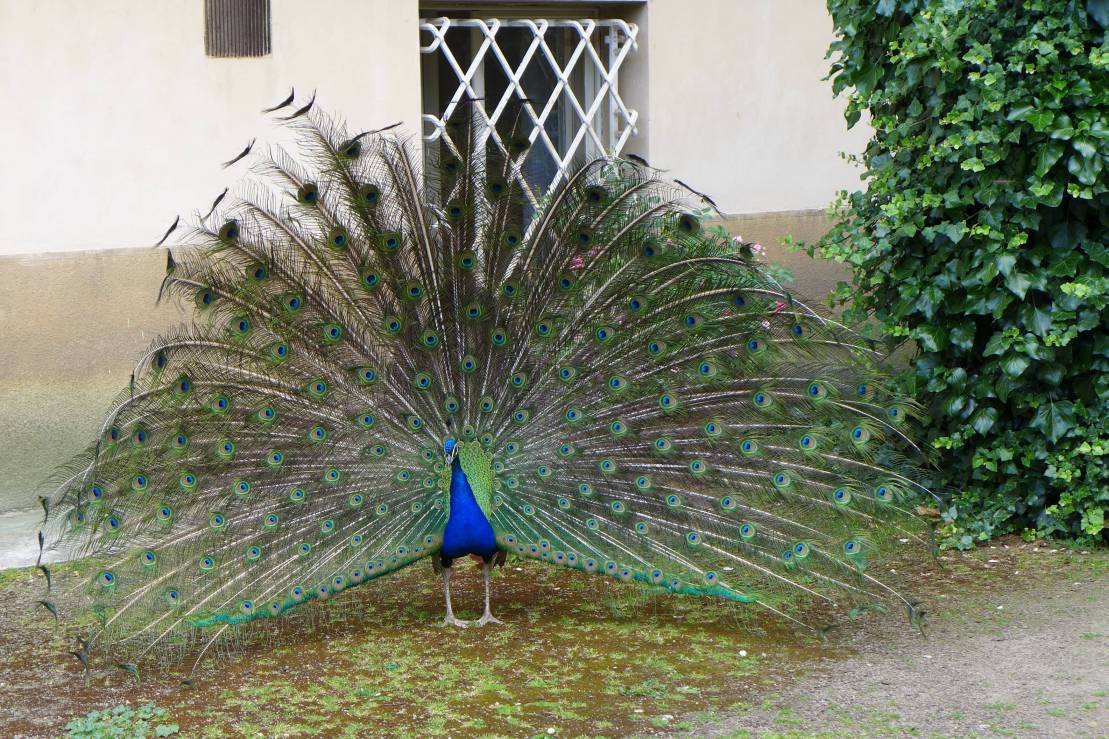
x=983, y=236
x=123, y=721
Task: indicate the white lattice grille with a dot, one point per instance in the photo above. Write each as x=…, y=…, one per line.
x=585, y=96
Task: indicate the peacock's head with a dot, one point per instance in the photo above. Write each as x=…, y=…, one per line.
x=448, y=446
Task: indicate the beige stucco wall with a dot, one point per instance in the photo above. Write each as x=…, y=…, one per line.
x=115, y=120
x=736, y=103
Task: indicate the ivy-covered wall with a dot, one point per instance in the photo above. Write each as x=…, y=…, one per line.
x=983, y=236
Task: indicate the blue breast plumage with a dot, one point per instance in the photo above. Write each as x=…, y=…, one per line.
x=468, y=530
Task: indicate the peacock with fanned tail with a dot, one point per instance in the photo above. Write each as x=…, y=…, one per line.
x=394, y=357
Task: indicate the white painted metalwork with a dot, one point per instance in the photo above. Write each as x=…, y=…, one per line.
x=598, y=134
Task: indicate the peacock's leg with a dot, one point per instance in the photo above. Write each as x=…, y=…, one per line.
x=487, y=617
x=450, y=619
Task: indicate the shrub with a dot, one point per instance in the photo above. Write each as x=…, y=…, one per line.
x=983, y=237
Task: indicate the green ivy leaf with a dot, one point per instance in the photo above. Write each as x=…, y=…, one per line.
x=1046, y=156
x=1054, y=419
x=1014, y=365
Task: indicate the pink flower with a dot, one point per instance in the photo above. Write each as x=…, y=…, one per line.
x=779, y=306
x=577, y=262
x=757, y=249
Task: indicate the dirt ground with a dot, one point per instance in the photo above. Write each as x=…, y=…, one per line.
x=1017, y=644
x=1007, y=660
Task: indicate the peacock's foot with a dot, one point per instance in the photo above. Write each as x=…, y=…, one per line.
x=488, y=619
x=452, y=621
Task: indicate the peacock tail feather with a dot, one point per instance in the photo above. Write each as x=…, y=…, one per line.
x=633, y=396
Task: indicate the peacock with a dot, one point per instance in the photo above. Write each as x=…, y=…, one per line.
x=398, y=355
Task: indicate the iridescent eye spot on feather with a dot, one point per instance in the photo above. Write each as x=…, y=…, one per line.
x=860, y=434
x=369, y=195
x=513, y=238
x=217, y=521
x=808, y=442
x=275, y=459
x=332, y=333
x=252, y=553
x=229, y=231
x=519, y=380
x=370, y=279
x=389, y=241
x=528, y=509
x=801, y=550
x=566, y=282
x=692, y=321
x=852, y=548
x=841, y=496
x=604, y=334
x=393, y=324
x=817, y=391
x=114, y=433
x=596, y=194
x=206, y=563
x=257, y=272
x=365, y=420
x=466, y=261
x=707, y=368
x=241, y=488
x=469, y=364
x=327, y=526
x=495, y=186
x=689, y=224
x=698, y=467
x=883, y=494
x=317, y=433
x=573, y=415
x=96, y=492
x=171, y=598
x=510, y=289
x=798, y=330
x=643, y=483
x=636, y=304
x=618, y=428
x=165, y=514
x=271, y=522
x=607, y=466
x=139, y=482
x=756, y=346
x=183, y=386
x=382, y=509
x=714, y=428
x=279, y=352
x=114, y=523
x=486, y=440
x=583, y=237
x=544, y=328
x=592, y=524
x=239, y=326
x=727, y=502
x=747, y=531
x=895, y=414
x=617, y=383
x=567, y=373
x=317, y=388
x=585, y=489
x=308, y=194
x=566, y=450
x=332, y=475
x=656, y=348
x=749, y=447
x=337, y=238
x=781, y=479
x=412, y=290
x=106, y=579
x=422, y=380
x=225, y=449
x=663, y=444
x=304, y=549
x=139, y=437
x=763, y=399
x=451, y=404
x=414, y=423
x=667, y=402
x=486, y=404
x=205, y=298
x=564, y=504
x=674, y=501
x=617, y=507
x=499, y=337
x=543, y=471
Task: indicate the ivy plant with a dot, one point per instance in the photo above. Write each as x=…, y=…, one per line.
x=983, y=237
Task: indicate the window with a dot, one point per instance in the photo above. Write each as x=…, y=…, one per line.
x=565, y=72
x=236, y=27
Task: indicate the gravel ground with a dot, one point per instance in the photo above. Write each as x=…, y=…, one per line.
x=1027, y=656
